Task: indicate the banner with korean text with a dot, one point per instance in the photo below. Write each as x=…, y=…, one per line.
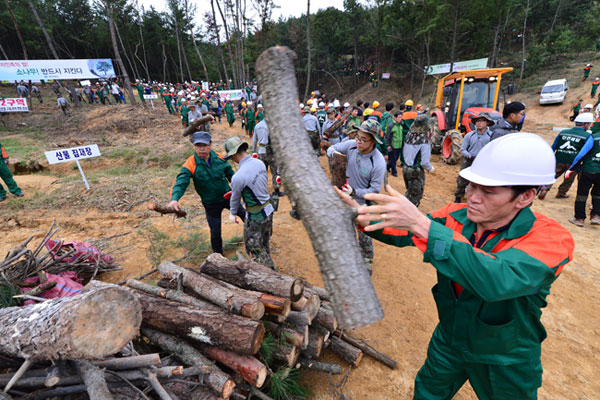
x=36, y=70
x=231, y=94
x=14, y=105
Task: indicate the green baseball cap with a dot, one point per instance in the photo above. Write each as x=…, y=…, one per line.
x=232, y=146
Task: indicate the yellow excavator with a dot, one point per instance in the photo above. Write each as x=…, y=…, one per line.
x=460, y=96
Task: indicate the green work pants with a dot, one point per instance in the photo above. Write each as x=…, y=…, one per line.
x=7, y=177
x=445, y=371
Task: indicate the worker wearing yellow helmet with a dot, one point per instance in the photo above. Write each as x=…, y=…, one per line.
x=409, y=116
x=243, y=112
x=313, y=128
x=375, y=104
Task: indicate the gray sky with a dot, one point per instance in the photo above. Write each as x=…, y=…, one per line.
x=287, y=7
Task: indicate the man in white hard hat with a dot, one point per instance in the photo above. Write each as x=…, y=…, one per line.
x=495, y=259
x=566, y=146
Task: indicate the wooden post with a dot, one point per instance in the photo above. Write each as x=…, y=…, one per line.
x=328, y=222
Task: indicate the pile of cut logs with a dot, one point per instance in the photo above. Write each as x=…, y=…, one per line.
x=210, y=322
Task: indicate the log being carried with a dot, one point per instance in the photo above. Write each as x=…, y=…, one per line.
x=328, y=222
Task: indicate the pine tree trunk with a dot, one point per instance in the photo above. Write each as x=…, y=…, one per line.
x=523, y=60
x=308, y=50
x=219, y=49
x=452, y=51
x=328, y=222
x=228, y=39
x=493, y=60
x=187, y=16
x=111, y=25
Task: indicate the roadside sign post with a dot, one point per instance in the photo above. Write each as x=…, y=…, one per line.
x=151, y=97
x=74, y=154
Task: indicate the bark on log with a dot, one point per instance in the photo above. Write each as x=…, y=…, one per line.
x=88, y=326
x=319, y=291
x=36, y=291
x=320, y=366
x=291, y=336
x=338, y=123
x=299, y=318
x=339, y=162
x=250, y=275
x=172, y=295
x=218, y=328
x=326, y=318
x=196, y=123
x=317, y=336
x=252, y=370
x=328, y=222
x=368, y=350
x=132, y=362
x=93, y=377
x=154, y=206
x=309, y=303
x=352, y=355
x=287, y=354
x=57, y=371
x=213, y=377
x=229, y=300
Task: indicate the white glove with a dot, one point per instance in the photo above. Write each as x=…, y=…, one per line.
x=347, y=189
x=233, y=218
x=432, y=169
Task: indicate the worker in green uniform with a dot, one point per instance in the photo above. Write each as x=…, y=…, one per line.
x=229, y=112
x=168, y=97
x=250, y=119
x=140, y=88
x=184, y=113
x=495, y=259
x=595, y=85
x=7, y=177
x=211, y=175
x=259, y=116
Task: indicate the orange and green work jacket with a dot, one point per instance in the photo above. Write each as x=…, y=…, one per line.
x=211, y=179
x=491, y=288
x=3, y=154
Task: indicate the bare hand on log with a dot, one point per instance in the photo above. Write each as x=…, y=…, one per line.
x=196, y=123
x=328, y=222
x=154, y=206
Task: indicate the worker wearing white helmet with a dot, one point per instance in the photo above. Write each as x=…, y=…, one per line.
x=321, y=104
x=566, y=146
x=588, y=162
x=588, y=108
x=495, y=259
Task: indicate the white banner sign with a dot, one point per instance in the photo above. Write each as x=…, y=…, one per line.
x=204, y=85
x=150, y=96
x=72, y=154
x=85, y=83
x=36, y=70
x=231, y=94
x=480, y=63
x=385, y=75
x=14, y=105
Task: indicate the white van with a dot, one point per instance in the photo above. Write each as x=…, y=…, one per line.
x=554, y=91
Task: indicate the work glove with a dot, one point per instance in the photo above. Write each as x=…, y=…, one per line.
x=233, y=218
x=432, y=169
x=6, y=161
x=278, y=180
x=568, y=174
x=254, y=155
x=227, y=195
x=346, y=188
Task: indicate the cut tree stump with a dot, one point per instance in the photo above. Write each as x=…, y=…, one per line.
x=328, y=221
x=230, y=300
x=213, y=377
x=252, y=370
x=339, y=163
x=346, y=351
x=87, y=326
x=250, y=275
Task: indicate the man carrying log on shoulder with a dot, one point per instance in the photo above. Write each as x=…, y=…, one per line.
x=211, y=175
x=250, y=184
x=495, y=260
x=365, y=171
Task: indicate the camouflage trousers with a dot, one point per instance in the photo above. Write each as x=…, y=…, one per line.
x=315, y=140
x=257, y=235
x=462, y=183
x=414, y=180
x=269, y=160
x=366, y=245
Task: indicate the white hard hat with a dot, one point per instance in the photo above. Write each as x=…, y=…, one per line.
x=300, y=105
x=588, y=105
x=346, y=104
x=336, y=103
x=259, y=106
x=507, y=161
x=321, y=104
x=249, y=103
x=585, y=118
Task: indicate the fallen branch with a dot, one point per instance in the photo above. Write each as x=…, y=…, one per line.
x=93, y=377
x=359, y=343
x=154, y=206
x=320, y=366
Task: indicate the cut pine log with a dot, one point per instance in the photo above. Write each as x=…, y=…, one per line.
x=317, y=336
x=286, y=354
x=368, y=350
x=252, y=370
x=250, y=275
x=326, y=318
x=299, y=318
x=291, y=336
x=213, y=377
x=320, y=366
x=309, y=303
x=218, y=294
x=339, y=162
x=87, y=326
x=319, y=291
x=172, y=295
x=196, y=123
x=352, y=355
x=154, y=206
x=144, y=360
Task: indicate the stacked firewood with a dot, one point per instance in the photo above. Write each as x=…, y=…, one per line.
x=211, y=322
